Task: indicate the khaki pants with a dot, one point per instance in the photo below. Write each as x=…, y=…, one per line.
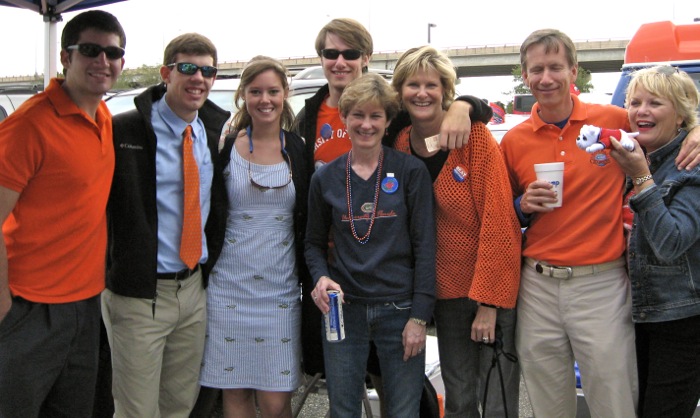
x=586, y=318
x=156, y=358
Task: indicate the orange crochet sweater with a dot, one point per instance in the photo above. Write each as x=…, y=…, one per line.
x=478, y=234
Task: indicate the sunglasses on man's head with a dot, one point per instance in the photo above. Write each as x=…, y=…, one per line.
x=667, y=70
x=348, y=54
x=93, y=50
x=187, y=68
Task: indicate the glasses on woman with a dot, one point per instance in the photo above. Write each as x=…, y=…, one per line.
x=263, y=188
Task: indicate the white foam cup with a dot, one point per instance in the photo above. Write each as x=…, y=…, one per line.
x=554, y=174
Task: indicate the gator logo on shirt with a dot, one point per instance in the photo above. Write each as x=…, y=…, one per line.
x=600, y=159
x=367, y=207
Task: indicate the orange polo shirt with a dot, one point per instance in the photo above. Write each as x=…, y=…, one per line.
x=587, y=229
x=61, y=162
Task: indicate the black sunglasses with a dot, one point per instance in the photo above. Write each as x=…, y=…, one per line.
x=348, y=54
x=285, y=155
x=187, y=68
x=264, y=188
x=93, y=50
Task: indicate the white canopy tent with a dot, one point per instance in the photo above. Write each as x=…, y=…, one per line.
x=51, y=11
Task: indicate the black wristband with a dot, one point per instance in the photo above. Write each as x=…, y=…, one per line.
x=488, y=306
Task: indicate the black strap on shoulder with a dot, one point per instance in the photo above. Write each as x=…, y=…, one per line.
x=225, y=153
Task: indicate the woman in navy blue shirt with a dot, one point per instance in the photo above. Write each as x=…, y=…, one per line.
x=378, y=205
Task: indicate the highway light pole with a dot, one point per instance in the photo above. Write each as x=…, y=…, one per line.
x=430, y=26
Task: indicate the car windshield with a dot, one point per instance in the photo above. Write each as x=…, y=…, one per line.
x=122, y=102
x=221, y=93
x=223, y=99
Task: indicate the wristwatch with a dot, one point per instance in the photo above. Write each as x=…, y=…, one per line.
x=419, y=321
x=639, y=180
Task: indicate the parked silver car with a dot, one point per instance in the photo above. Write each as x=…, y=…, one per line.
x=12, y=97
x=221, y=93
x=303, y=85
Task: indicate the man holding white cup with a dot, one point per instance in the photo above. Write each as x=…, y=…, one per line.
x=574, y=301
x=552, y=173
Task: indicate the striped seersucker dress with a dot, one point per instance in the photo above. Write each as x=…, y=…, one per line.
x=254, y=310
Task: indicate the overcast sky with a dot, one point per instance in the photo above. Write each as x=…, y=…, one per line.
x=242, y=29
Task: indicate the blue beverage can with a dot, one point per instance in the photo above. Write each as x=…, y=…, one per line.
x=335, y=326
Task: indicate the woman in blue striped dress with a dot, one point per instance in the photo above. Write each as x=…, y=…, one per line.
x=253, y=347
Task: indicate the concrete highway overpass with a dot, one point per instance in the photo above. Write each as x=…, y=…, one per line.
x=595, y=56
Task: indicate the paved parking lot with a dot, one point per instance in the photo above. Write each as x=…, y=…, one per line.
x=316, y=404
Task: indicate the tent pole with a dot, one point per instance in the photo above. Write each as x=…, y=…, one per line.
x=51, y=44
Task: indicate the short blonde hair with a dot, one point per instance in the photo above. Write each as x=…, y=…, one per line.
x=426, y=58
x=671, y=84
x=369, y=88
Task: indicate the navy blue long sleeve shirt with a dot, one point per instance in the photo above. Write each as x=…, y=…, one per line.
x=398, y=261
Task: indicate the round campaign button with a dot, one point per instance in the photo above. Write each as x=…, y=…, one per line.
x=390, y=184
x=459, y=174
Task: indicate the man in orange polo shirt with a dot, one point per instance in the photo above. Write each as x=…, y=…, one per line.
x=574, y=300
x=57, y=162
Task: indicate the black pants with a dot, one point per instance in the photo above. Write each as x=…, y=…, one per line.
x=668, y=360
x=48, y=359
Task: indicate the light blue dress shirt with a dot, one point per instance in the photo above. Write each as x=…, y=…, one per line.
x=169, y=130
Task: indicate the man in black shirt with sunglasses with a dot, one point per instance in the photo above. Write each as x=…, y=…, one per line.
x=160, y=252
x=57, y=162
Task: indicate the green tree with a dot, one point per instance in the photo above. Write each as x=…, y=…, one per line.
x=583, y=80
x=520, y=88
x=143, y=76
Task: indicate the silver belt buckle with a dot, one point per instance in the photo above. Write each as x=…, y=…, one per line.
x=569, y=273
x=539, y=267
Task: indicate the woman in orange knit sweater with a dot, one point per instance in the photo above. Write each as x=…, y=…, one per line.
x=478, y=240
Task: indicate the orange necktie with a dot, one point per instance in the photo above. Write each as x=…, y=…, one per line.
x=191, y=242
